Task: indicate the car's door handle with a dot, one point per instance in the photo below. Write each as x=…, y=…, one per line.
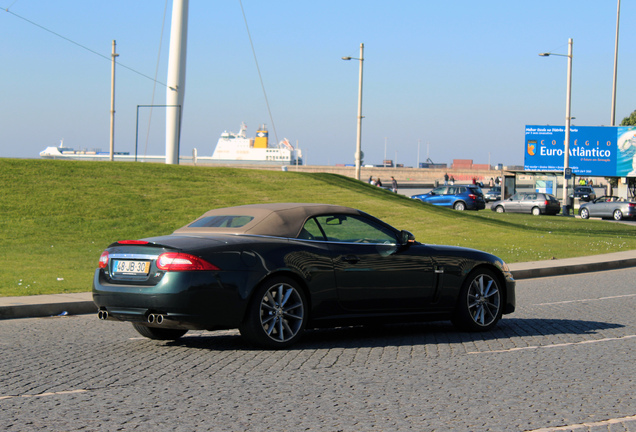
x=351, y=259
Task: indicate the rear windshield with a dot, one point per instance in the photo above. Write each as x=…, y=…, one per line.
x=220, y=221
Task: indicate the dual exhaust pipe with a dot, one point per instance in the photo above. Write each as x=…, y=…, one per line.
x=155, y=318
x=152, y=318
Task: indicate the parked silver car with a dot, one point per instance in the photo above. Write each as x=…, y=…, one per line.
x=528, y=202
x=608, y=207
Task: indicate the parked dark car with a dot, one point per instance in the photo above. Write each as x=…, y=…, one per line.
x=584, y=193
x=458, y=197
x=273, y=270
x=528, y=202
x=607, y=207
x=493, y=194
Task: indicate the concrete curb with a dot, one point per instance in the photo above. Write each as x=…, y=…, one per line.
x=568, y=266
x=560, y=270
x=47, y=305
x=82, y=303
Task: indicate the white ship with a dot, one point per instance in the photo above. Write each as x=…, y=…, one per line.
x=63, y=152
x=231, y=148
x=237, y=147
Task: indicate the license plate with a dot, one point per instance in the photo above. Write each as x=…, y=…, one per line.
x=129, y=267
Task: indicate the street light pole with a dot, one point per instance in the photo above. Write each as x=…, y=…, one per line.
x=568, y=118
x=359, y=135
x=112, y=102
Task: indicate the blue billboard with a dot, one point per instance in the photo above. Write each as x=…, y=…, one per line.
x=603, y=151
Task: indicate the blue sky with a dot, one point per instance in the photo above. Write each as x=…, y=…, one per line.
x=456, y=79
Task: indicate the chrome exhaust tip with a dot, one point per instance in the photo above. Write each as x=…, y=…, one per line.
x=102, y=315
x=151, y=318
x=159, y=319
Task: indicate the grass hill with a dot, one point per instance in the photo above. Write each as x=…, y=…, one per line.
x=56, y=217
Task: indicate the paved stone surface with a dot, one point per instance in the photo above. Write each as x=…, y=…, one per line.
x=563, y=361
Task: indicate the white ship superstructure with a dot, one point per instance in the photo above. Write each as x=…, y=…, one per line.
x=237, y=147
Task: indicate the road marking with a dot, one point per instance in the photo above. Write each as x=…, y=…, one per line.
x=555, y=345
x=585, y=300
x=586, y=425
x=44, y=394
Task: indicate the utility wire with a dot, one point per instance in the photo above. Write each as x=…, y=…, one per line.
x=82, y=46
x=259, y=72
x=154, y=85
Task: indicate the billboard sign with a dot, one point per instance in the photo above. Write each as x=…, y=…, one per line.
x=603, y=151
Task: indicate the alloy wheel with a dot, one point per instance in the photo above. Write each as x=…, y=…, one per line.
x=484, y=300
x=282, y=312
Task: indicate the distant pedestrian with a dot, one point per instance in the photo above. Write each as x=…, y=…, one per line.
x=491, y=183
x=445, y=179
x=394, y=185
x=378, y=182
x=452, y=180
x=370, y=180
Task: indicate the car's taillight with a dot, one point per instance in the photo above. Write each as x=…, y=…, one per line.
x=472, y=196
x=175, y=261
x=132, y=242
x=546, y=202
x=103, y=260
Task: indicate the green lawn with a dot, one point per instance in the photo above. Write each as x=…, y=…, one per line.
x=56, y=217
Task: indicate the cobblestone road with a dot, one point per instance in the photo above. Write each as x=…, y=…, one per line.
x=564, y=361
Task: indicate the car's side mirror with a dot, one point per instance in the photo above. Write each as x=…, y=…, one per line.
x=406, y=238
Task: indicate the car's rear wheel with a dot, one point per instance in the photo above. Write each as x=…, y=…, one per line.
x=460, y=205
x=585, y=213
x=618, y=215
x=277, y=315
x=480, y=302
x=500, y=209
x=536, y=211
x=158, y=333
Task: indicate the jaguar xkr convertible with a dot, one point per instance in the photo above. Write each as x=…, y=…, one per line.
x=274, y=270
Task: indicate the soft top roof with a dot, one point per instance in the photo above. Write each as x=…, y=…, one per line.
x=275, y=219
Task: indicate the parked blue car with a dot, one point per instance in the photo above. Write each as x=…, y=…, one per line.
x=458, y=197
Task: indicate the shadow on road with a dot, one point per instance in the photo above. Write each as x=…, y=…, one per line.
x=405, y=334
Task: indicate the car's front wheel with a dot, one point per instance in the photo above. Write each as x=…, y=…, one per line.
x=158, y=333
x=585, y=213
x=618, y=215
x=480, y=302
x=460, y=205
x=277, y=315
x=500, y=209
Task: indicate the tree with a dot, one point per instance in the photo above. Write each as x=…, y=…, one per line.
x=629, y=121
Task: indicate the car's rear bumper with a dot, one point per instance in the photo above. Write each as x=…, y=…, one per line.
x=193, y=300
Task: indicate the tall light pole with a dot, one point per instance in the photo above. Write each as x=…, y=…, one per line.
x=113, y=56
x=359, y=138
x=568, y=118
